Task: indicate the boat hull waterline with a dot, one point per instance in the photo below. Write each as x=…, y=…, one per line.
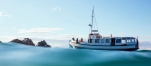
x=101, y=47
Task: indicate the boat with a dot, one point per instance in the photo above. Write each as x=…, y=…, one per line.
x=99, y=42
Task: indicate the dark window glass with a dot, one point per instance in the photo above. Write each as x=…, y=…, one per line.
x=118, y=40
x=107, y=41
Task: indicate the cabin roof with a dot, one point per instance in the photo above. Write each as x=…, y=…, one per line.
x=119, y=37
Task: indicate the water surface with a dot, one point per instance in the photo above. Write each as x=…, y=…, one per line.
x=12, y=54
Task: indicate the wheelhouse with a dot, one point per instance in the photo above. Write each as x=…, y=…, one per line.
x=98, y=39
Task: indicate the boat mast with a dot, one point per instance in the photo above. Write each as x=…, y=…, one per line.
x=92, y=19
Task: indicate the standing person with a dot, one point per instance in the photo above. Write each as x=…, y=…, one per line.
x=77, y=41
x=73, y=39
x=81, y=39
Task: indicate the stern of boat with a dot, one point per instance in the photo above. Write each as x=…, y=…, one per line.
x=137, y=45
x=70, y=45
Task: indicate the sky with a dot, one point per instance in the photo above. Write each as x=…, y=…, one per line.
x=57, y=21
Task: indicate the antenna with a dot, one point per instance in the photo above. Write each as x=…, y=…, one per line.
x=92, y=18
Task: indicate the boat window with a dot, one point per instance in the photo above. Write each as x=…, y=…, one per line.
x=97, y=40
x=133, y=40
x=128, y=40
x=90, y=40
x=118, y=40
x=107, y=41
x=102, y=40
x=123, y=41
x=93, y=36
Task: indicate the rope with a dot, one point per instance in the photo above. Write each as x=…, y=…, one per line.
x=95, y=22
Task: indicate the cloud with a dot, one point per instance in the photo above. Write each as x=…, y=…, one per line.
x=39, y=37
x=56, y=9
x=4, y=15
x=40, y=30
x=149, y=36
x=65, y=37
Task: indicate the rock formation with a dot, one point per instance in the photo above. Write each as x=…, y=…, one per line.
x=26, y=41
x=43, y=44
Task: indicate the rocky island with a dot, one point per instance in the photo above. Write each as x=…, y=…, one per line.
x=27, y=41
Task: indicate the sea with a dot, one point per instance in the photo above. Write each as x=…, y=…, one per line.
x=13, y=54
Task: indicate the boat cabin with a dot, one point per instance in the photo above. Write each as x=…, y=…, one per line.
x=96, y=38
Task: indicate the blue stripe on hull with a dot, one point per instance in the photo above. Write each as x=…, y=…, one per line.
x=101, y=45
x=130, y=49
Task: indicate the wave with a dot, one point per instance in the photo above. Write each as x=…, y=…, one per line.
x=13, y=54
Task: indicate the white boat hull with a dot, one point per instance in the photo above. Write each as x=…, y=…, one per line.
x=102, y=47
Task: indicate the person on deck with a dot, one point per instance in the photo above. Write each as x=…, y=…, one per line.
x=73, y=39
x=77, y=41
x=81, y=39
